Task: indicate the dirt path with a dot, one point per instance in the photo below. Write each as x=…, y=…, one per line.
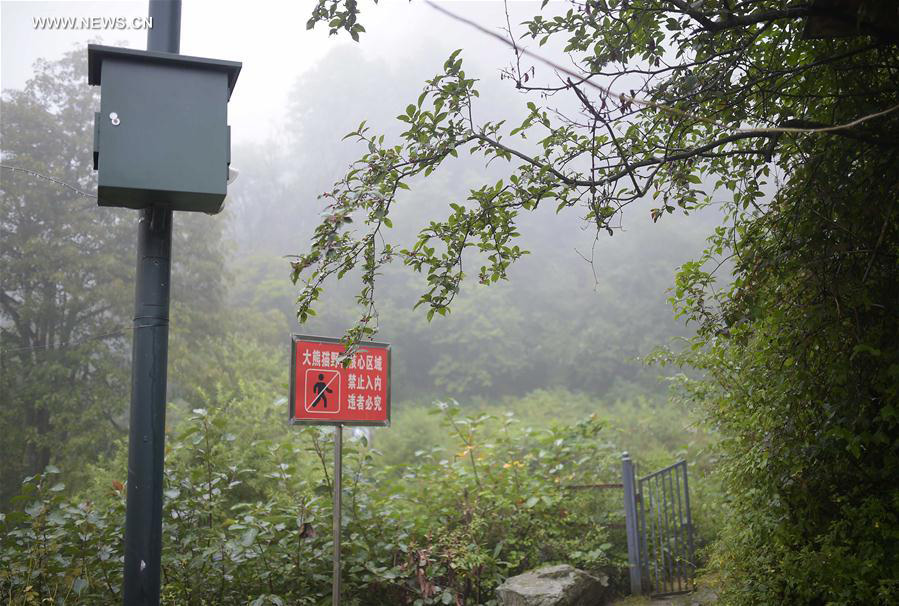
x=701, y=597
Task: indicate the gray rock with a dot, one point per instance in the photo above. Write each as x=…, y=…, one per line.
x=561, y=585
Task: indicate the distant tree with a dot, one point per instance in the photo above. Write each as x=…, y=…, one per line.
x=66, y=268
x=65, y=282
x=683, y=104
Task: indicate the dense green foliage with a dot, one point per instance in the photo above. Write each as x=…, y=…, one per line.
x=803, y=359
x=247, y=503
x=786, y=115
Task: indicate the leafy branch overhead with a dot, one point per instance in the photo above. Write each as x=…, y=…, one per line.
x=663, y=93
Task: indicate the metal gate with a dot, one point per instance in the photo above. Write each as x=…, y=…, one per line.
x=659, y=530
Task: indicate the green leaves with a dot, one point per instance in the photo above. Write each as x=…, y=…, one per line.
x=249, y=537
x=369, y=190
x=430, y=530
x=58, y=547
x=340, y=15
x=802, y=394
x=79, y=585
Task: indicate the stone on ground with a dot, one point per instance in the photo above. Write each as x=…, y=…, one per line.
x=561, y=585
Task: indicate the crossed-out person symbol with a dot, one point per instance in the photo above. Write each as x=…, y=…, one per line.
x=319, y=390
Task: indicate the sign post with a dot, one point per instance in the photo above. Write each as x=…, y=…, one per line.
x=338, y=472
x=327, y=387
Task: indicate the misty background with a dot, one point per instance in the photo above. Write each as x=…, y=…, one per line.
x=563, y=337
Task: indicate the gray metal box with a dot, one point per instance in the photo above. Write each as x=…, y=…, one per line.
x=161, y=137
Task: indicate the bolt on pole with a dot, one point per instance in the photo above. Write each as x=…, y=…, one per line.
x=146, y=435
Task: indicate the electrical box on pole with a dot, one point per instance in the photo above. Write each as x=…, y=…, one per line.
x=161, y=138
x=161, y=144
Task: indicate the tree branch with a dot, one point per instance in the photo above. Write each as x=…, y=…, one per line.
x=651, y=161
x=731, y=21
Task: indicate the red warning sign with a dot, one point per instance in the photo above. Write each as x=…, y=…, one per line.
x=325, y=392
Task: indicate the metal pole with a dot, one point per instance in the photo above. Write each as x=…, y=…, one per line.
x=692, y=567
x=146, y=434
x=659, y=557
x=682, y=553
x=338, y=470
x=630, y=523
x=643, y=545
x=666, y=540
x=675, y=529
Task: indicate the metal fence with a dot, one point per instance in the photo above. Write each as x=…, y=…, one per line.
x=659, y=530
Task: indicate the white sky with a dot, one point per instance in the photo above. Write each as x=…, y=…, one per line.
x=271, y=40
x=269, y=37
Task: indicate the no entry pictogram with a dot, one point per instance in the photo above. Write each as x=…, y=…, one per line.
x=324, y=391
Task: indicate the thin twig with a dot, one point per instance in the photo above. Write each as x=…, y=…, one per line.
x=654, y=104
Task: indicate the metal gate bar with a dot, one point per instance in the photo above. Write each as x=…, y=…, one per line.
x=660, y=530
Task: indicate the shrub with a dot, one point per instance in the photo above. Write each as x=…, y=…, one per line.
x=247, y=517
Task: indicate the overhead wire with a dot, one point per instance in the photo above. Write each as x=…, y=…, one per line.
x=116, y=333
x=654, y=104
x=39, y=175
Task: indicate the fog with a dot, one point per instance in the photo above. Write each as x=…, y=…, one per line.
x=702, y=191
x=270, y=39
x=577, y=314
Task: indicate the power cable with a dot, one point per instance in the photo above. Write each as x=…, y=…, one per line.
x=34, y=173
x=654, y=104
